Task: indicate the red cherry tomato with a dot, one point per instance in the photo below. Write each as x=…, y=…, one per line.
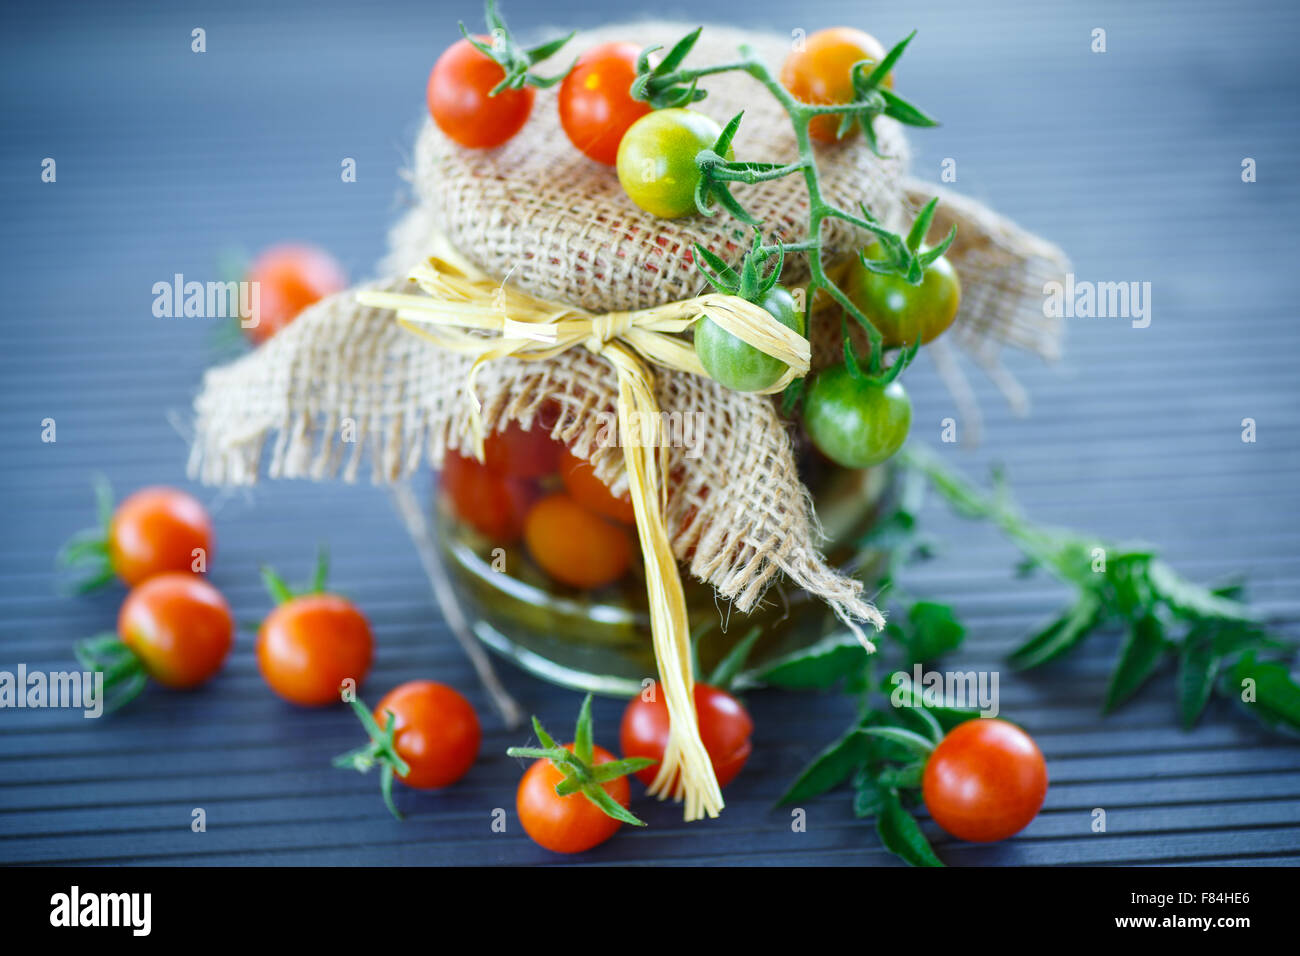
x=309, y=645
x=289, y=278
x=522, y=453
x=155, y=530
x=438, y=732
x=589, y=491
x=179, y=626
x=725, y=727
x=492, y=504
x=985, y=781
x=821, y=73
x=596, y=104
x=568, y=824
x=575, y=546
x=460, y=100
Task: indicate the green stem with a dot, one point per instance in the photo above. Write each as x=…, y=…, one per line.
x=801, y=114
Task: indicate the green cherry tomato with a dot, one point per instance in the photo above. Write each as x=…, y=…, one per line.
x=733, y=361
x=656, y=160
x=855, y=424
x=900, y=310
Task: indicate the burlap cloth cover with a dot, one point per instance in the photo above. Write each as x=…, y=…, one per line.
x=538, y=214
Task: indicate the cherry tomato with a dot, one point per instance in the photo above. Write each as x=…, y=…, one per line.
x=656, y=160
x=575, y=546
x=179, y=626
x=821, y=73
x=572, y=823
x=853, y=423
x=155, y=530
x=522, y=453
x=309, y=645
x=596, y=105
x=985, y=781
x=289, y=278
x=492, y=504
x=589, y=491
x=438, y=732
x=734, y=362
x=460, y=100
x=900, y=310
x=724, y=728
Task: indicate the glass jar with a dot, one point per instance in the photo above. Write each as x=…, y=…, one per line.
x=579, y=617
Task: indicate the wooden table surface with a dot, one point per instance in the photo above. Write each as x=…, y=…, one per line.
x=1130, y=159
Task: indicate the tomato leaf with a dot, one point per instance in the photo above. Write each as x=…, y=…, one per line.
x=1276, y=702
x=900, y=778
x=1197, y=667
x=868, y=795
x=818, y=666
x=901, y=834
x=1192, y=600
x=1144, y=646
x=1060, y=635
x=913, y=741
x=933, y=630
x=924, y=722
x=724, y=674
x=831, y=767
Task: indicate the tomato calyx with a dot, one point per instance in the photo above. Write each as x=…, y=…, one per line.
x=516, y=61
x=753, y=281
x=659, y=85
x=381, y=751
x=88, y=550
x=282, y=593
x=908, y=257
x=124, y=672
x=581, y=774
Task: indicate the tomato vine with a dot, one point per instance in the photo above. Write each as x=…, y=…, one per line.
x=669, y=84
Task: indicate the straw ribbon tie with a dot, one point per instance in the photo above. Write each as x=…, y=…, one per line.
x=461, y=304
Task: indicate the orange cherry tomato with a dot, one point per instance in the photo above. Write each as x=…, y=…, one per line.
x=309, y=645
x=985, y=781
x=575, y=546
x=155, y=530
x=519, y=453
x=460, y=100
x=596, y=104
x=589, y=491
x=437, y=734
x=490, y=503
x=572, y=823
x=289, y=278
x=821, y=72
x=725, y=727
x=179, y=626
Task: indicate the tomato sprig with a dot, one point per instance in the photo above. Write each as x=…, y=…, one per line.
x=581, y=773
x=516, y=61
x=124, y=674
x=280, y=590
x=380, y=750
x=670, y=84
x=88, y=549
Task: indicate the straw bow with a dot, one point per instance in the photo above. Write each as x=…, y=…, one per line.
x=464, y=310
